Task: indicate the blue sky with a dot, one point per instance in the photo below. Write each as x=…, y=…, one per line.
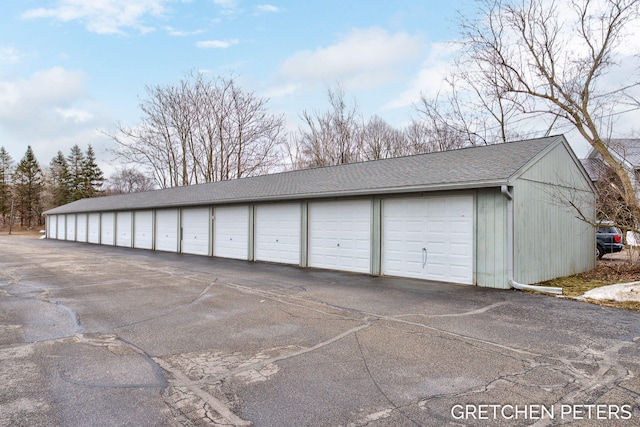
x=71, y=67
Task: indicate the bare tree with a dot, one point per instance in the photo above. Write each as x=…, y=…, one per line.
x=472, y=111
x=432, y=133
x=331, y=138
x=128, y=180
x=548, y=62
x=380, y=140
x=202, y=131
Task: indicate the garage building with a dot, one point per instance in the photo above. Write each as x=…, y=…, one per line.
x=493, y=216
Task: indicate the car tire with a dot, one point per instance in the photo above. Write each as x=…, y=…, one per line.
x=599, y=252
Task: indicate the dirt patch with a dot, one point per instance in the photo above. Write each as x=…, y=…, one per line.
x=613, y=269
x=613, y=272
x=19, y=231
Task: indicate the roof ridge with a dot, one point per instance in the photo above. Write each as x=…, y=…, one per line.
x=471, y=166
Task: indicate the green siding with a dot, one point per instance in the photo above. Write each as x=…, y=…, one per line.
x=550, y=241
x=491, y=239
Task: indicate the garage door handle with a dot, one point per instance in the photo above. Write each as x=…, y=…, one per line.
x=424, y=257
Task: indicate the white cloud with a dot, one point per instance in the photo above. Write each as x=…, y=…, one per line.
x=229, y=7
x=230, y=4
x=9, y=56
x=102, y=16
x=282, y=91
x=52, y=110
x=76, y=115
x=364, y=58
x=216, y=44
x=179, y=33
x=267, y=8
x=44, y=89
x=429, y=79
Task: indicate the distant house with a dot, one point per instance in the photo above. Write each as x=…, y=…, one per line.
x=489, y=216
x=627, y=152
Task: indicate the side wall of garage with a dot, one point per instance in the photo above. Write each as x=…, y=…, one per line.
x=550, y=240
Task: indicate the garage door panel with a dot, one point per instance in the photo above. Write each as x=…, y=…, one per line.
x=340, y=235
x=52, y=229
x=195, y=231
x=123, y=229
x=231, y=232
x=167, y=230
x=93, y=232
x=429, y=238
x=71, y=227
x=143, y=229
x=277, y=237
x=62, y=227
x=81, y=227
x=107, y=236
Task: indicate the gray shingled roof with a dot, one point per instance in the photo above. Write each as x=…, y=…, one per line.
x=628, y=149
x=474, y=167
x=595, y=167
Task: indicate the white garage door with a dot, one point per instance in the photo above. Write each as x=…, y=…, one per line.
x=340, y=235
x=429, y=238
x=81, y=227
x=123, y=229
x=195, y=231
x=278, y=233
x=167, y=230
x=93, y=228
x=107, y=236
x=52, y=229
x=143, y=229
x=231, y=232
x=62, y=227
x=71, y=227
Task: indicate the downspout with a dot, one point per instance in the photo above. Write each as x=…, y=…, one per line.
x=504, y=189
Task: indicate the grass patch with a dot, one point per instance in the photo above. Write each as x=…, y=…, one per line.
x=603, y=275
x=574, y=286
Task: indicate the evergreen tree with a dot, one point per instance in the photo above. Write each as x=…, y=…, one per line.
x=93, y=177
x=75, y=164
x=28, y=186
x=6, y=168
x=60, y=180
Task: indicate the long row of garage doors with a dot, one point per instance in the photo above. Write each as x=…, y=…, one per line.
x=421, y=237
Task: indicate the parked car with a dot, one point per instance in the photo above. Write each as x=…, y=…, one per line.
x=608, y=239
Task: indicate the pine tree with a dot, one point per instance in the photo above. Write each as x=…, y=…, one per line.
x=93, y=177
x=6, y=168
x=28, y=186
x=75, y=163
x=60, y=180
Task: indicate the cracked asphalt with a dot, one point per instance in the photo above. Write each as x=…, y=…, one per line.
x=101, y=336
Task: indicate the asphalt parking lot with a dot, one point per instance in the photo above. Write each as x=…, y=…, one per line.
x=101, y=336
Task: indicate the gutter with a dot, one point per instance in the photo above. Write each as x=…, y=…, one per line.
x=504, y=189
